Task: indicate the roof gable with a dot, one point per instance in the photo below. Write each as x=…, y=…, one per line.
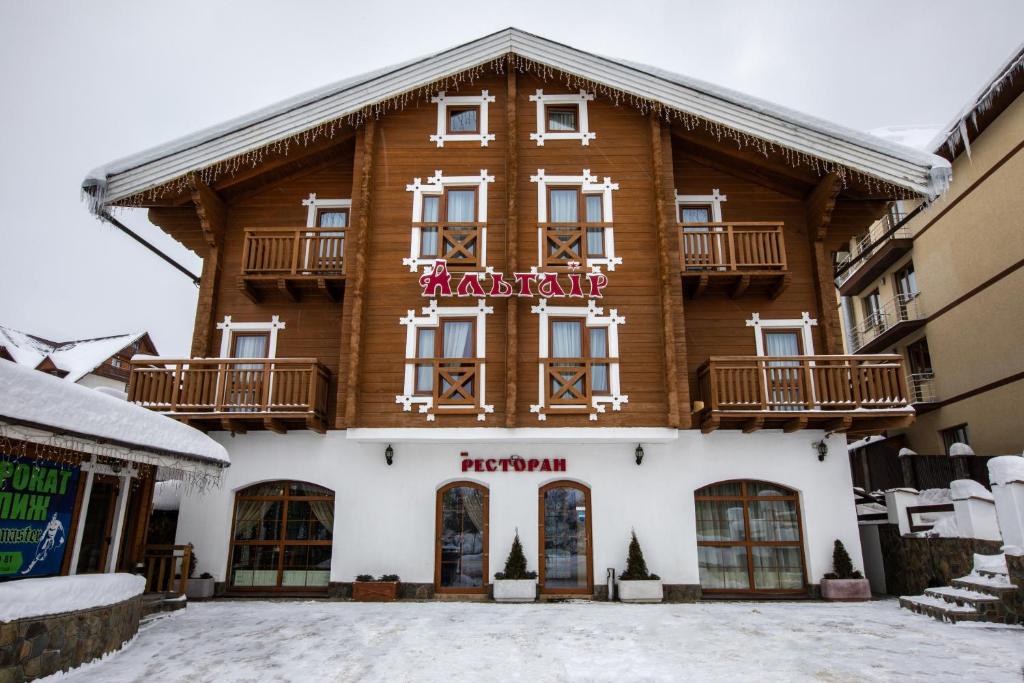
x=71, y=359
x=749, y=121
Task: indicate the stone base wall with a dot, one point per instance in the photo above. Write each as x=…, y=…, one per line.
x=37, y=647
x=682, y=592
x=913, y=564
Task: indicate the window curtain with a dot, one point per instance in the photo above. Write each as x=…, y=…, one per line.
x=250, y=346
x=784, y=383
x=457, y=340
x=473, y=504
x=462, y=121
x=249, y=515
x=324, y=512
x=565, y=339
x=461, y=206
x=564, y=206
x=599, y=349
x=333, y=219
x=428, y=236
x=425, y=349
x=561, y=120
x=595, y=241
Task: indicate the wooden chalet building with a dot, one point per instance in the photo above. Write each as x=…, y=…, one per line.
x=517, y=286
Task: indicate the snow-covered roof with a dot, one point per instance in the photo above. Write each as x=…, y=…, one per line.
x=167, y=495
x=903, y=167
x=916, y=136
x=77, y=357
x=38, y=400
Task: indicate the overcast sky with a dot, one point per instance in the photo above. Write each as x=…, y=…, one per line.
x=83, y=83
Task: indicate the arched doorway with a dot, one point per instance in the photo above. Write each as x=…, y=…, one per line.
x=281, y=537
x=749, y=538
x=461, y=550
x=566, y=557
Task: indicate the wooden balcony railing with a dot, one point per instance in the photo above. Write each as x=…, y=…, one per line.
x=455, y=382
x=574, y=242
x=573, y=382
x=796, y=389
x=457, y=243
x=167, y=568
x=294, y=251
x=233, y=390
x=725, y=247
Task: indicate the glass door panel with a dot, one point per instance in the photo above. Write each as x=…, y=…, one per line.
x=566, y=548
x=462, y=539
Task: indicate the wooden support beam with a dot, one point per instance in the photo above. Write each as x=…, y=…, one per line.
x=838, y=426
x=275, y=425
x=709, y=424
x=331, y=290
x=819, y=206
x=354, y=311
x=212, y=215
x=250, y=292
x=231, y=425
x=315, y=424
x=676, y=382
x=698, y=289
x=794, y=425
x=780, y=286
x=739, y=287
x=288, y=289
x=511, y=245
x=753, y=424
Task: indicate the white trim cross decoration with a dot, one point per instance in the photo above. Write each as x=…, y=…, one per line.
x=435, y=186
x=589, y=185
x=444, y=101
x=583, y=132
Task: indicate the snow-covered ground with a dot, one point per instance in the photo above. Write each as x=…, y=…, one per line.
x=339, y=641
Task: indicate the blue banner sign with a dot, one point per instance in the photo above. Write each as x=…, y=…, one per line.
x=37, y=499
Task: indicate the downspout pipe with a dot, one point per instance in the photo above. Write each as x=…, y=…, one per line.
x=138, y=238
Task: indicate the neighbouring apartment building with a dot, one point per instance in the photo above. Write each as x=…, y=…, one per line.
x=517, y=287
x=941, y=285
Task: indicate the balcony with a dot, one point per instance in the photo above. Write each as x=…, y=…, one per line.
x=733, y=258
x=293, y=261
x=575, y=243
x=453, y=384
x=234, y=394
x=877, y=251
x=898, y=317
x=460, y=244
x=572, y=383
x=922, y=388
x=835, y=393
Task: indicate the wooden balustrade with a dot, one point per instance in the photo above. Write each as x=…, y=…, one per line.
x=238, y=389
x=569, y=382
x=563, y=243
x=455, y=382
x=294, y=251
x=458, y=243
x=732, y=246
x=851, y=388
x=167, y=567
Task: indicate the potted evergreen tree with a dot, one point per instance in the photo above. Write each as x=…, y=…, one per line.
x=516, y=583
x=844, y=582
x=636, y=584
x=201, y=588
x=368, y=589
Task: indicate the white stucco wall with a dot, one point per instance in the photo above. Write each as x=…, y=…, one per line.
x=92, y=381
x=385, y=516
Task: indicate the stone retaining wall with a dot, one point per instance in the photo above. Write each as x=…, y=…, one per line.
x=913, y=564
x=40, y=646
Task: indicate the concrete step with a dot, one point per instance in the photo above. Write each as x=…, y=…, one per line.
x=938, y=608
x=997, y=586
x=961, y=596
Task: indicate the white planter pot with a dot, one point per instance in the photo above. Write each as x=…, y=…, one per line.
x=519, y=590
x=641, y=591
x=199, y=589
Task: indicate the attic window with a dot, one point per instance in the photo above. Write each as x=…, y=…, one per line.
x=462, y=119
x=562, y=117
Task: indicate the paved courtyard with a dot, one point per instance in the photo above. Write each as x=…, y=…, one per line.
x=437, y=641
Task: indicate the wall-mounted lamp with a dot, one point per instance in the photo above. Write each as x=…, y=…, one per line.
x=822, y=448
x=639, y=453
x=389, y=454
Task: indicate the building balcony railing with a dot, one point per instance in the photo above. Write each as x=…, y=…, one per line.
x=733, y=256
x=837, y=393
x=234, y=393
x=572, y=383
x=921, y=387
x=460, y=244
x=454, y=383
x=896, y=318
x=293, y=259
x=579, y=242
x=872, y=253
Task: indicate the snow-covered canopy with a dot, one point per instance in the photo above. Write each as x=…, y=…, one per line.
x=29, y=598
x=740, y=117
x=77, y=358
x=42, y=402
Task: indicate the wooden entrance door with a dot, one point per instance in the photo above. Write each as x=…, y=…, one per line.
x=566, y=556
x=461, y=552
x=99, y=526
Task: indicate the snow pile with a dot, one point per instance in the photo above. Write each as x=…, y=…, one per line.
x=39, y=399
x=989, y=563
x=945, y=526
x=960, y=449
x=934, y=496
x=916, y=136
x=52, y=595
x=111, y=391
x=167, y=495
x=1006, y=469
x=962, y=489
x=860, y=443
x=904, y=452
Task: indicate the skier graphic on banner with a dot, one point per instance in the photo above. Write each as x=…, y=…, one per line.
x=47, y=542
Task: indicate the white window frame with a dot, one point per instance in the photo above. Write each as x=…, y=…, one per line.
x=431, y=318
x=444, y=101
x=593, y=316
x=229, y=327
x=803, y=323
x=588, y=184
x=434, y=186
x=714, y=199
x=315, y=204
x=584, y=134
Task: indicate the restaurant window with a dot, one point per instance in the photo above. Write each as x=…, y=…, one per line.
x=562, y=116
x=461, y=555
x=952, y=435
x=282, y=537
x=749, y=538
